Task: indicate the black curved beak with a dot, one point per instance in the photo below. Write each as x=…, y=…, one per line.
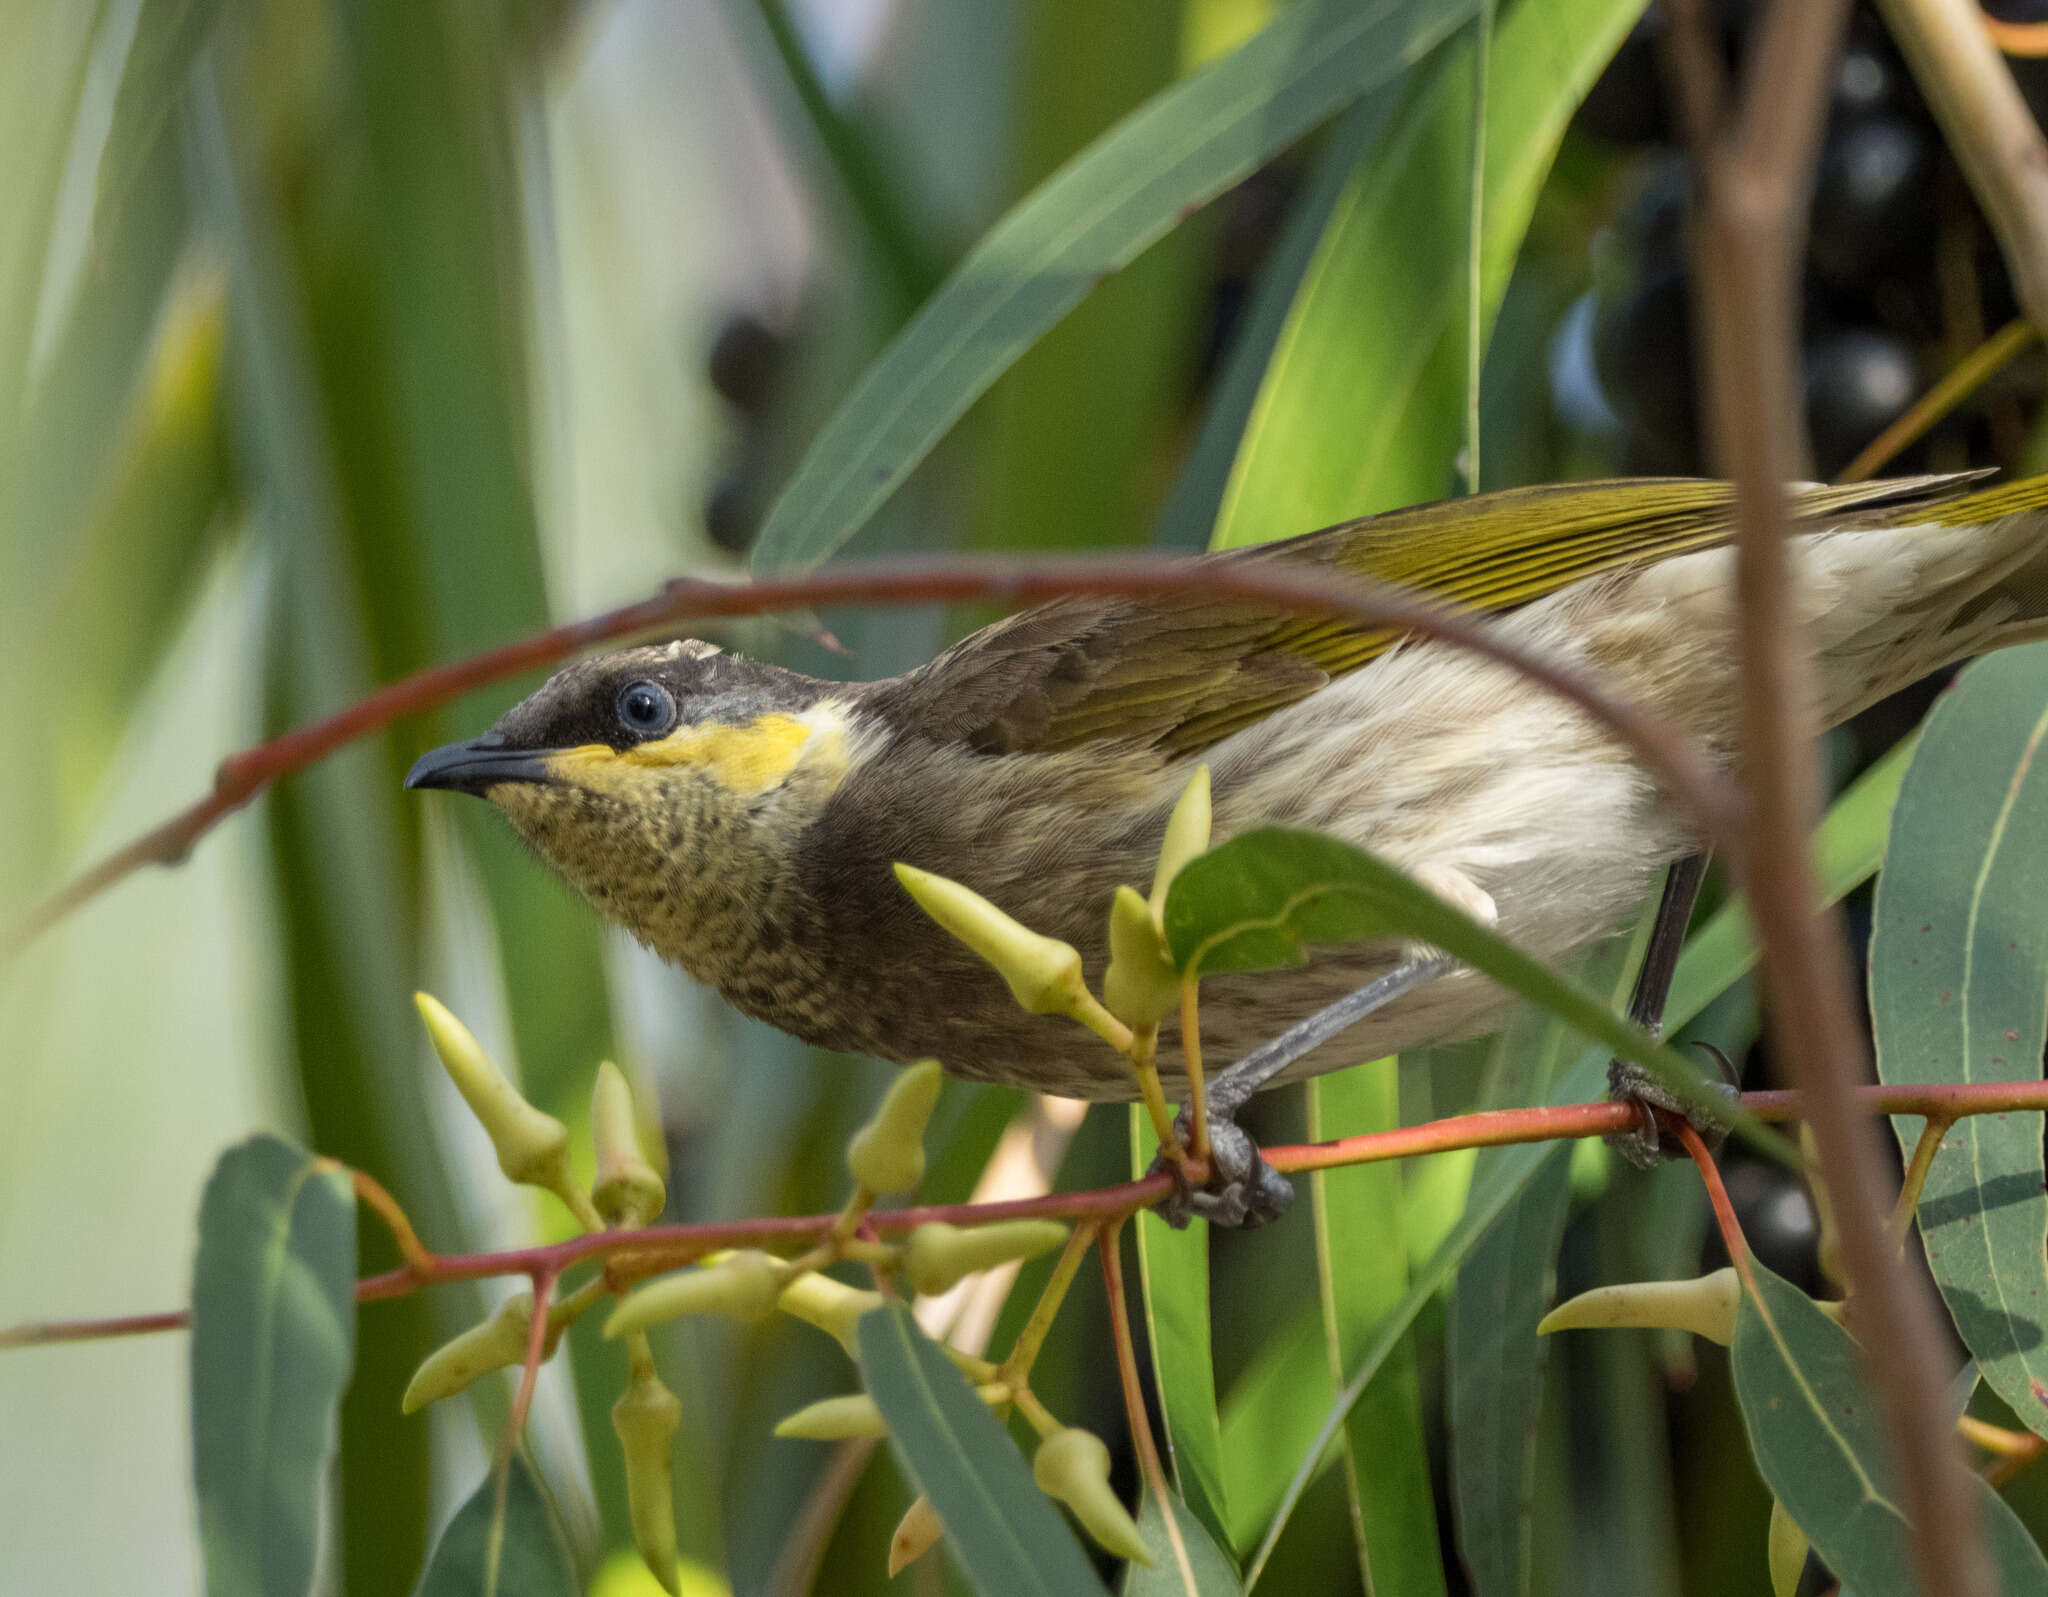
x=477, y=766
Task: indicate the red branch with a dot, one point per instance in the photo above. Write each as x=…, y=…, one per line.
x=1677, y=761
x=665, y=1247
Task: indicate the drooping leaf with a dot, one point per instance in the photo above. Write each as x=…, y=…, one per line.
x=1362, y=1270
x=1959, y=993
x=488, y=1553
x=273, y=1334
x=1126, y=190
x=1173, y=1271
x=1258, y=901
x=1003, y=1531
x=1361, y=406
x=1815, y=1428
x=1208, y=1572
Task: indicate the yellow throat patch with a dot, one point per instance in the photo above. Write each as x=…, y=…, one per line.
x=748, y=760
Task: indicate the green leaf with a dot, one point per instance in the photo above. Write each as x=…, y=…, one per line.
x=1493, y=1188
x=273, y=1332
x=493, y=1551
x=1173, y=1270
x=1959, y=993
x=1209, y=1571
x=1004, y=1532
x=1362, y=403
x=1125, y=191
x=1848, y=847
x=1257, y=901
x=1814, y=1427
x=1362, y=1270
x=1269, y=1414
x=168, y=37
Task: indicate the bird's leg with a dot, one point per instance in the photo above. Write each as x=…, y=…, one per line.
x=1243, y=1189
x=1630, y=1083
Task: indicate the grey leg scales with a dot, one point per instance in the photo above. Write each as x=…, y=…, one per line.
x=1243, y=1190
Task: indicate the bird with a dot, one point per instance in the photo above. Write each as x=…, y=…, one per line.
x=742, y=820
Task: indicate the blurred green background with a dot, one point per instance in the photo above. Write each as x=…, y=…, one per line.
x=341, y=337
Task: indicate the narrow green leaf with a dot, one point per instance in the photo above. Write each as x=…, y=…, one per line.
x=1814, y=1427
x=1209, y=1571
x=1257, y=902
x=168, y=36
x=1848, y=847
x=273, y=1333
x=1173, y=1270
x=1005, y=1534
x=495, y=1548
x=1269, y=1415
x=1126, y=190
x=1362, y=402
x=1959, y=993
x=1362, y=1269
x=1494, y=1187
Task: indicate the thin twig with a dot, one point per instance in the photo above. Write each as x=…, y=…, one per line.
x=1717, y=1197
x=1992, y=134
x=1968, y=375
x=1693, y=781
x=663, y=1247
x=1754, y=164
x=1925, y=1147
x=1147, y=1449
x=373, y=1192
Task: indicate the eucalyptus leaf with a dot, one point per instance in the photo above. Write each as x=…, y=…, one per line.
x=1004, y=1533
x=1959, y=993
x=1209, y=1571
x=1819, y=1442
x=484, y=1554
x=1173, y=1271
x=273, y=1336
x=1095, y=215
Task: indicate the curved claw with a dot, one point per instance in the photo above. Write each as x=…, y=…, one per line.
x=1642, y=1147
x=1243, y=1191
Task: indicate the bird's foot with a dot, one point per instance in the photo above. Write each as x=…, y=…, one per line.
x=1642, y=1146
x=1242, y=1191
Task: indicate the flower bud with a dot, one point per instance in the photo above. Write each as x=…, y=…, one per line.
x=627, y=1191
x=1787, y=1552
x=492, y=1344
x=1706, y=1307
x=939, y=1254
x=646, y=1417
x=832, y=1306
x=532, y=1146
x=834, y=1419
x=1140, y=987
x=887, y=1154
x=1073, y=1465
x=915, y=1533
x=742, y=1286
x=1044, y=974
x=1187, y=834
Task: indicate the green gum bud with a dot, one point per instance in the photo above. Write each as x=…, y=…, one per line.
x=1073, y=1465
x=742, y=1286
x=492, y=1344
x=915, y=1533
x=1787, y=1552
x=627, y=1191
x=1140, y=987
x=646, y=1417
x=1705, y=1306
x=1043, y=973
x=832, y=1306
x=1187, y=834
x=887, y=1154
x=938, y=1254
x=532, y=1146
x=834, y=1419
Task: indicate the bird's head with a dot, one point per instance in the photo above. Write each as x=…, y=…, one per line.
x=663, y=782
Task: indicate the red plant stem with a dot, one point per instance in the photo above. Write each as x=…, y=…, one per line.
x=1690, y=777
x=676, y=1244
x=1109, y=1243
x=1717, y=1195
x=1753, y=159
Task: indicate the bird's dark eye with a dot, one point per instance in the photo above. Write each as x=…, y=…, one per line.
x=646, y=708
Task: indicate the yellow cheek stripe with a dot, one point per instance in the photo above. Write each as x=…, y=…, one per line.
x=747, y=760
